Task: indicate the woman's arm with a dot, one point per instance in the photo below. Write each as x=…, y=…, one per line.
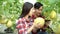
x=30, y=29
x=21, y=26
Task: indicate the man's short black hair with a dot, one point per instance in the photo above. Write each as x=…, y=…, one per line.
x=37, y=5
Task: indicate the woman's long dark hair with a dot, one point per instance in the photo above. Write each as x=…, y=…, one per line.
x=26, y=9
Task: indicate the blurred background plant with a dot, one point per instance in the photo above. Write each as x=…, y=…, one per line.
x=9, y=12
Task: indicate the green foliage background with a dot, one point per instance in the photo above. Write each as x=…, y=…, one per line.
x=11, y=10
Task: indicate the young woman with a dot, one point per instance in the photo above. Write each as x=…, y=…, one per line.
x=23, y=21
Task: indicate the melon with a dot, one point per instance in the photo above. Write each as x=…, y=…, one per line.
x=9, y=24
x=53, y=14
x=40, y=21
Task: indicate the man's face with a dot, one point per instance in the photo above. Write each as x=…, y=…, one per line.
x=38, y=11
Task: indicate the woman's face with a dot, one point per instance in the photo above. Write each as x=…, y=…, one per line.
x=31, y=12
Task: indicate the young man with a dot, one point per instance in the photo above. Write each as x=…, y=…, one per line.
x=37, y=9
x=37, y=13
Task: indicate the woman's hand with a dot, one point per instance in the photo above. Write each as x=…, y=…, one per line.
x=30, y=29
